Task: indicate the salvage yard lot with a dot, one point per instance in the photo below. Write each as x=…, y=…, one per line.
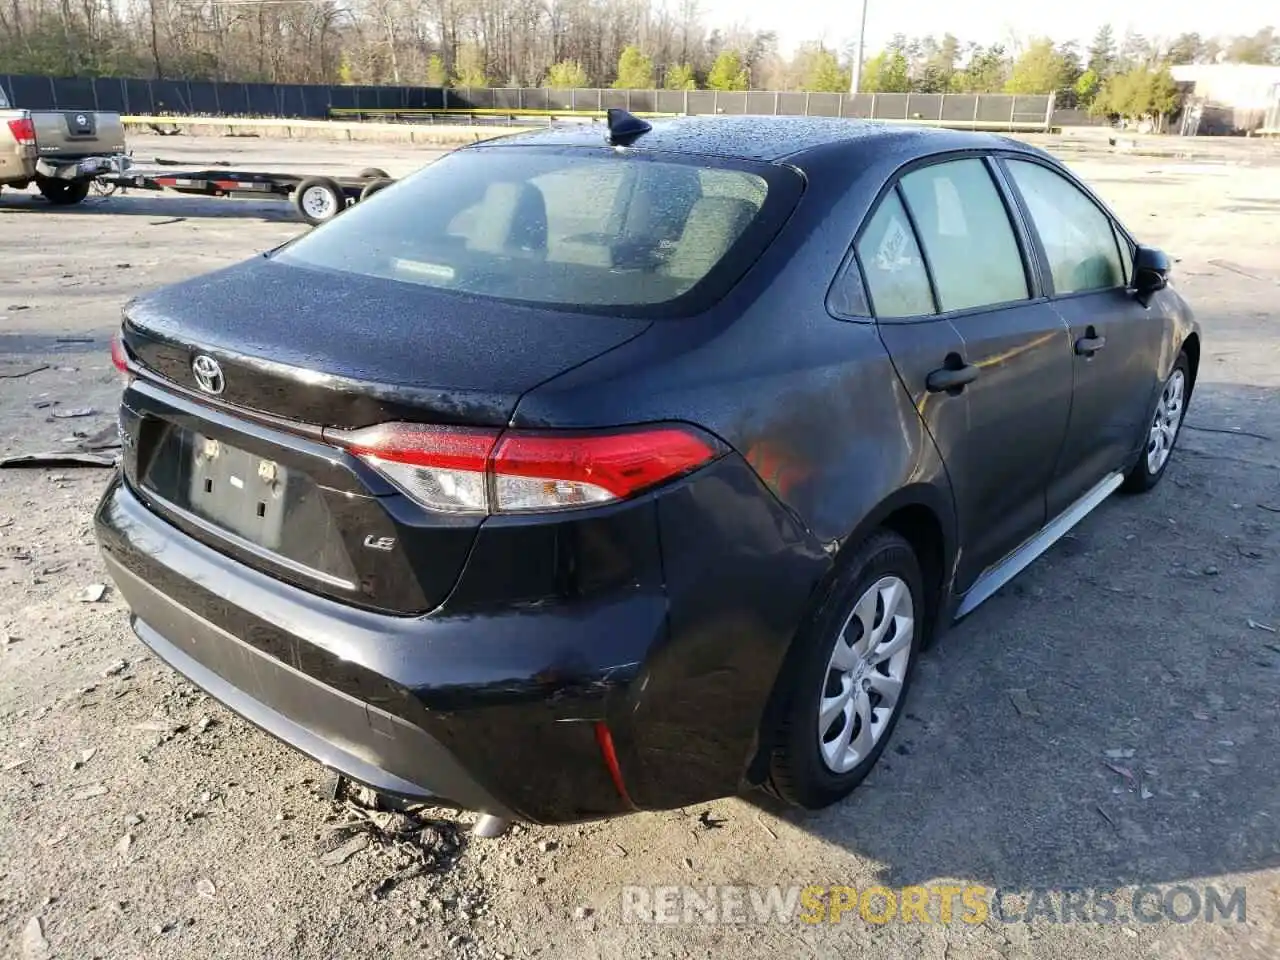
x=1110, y=720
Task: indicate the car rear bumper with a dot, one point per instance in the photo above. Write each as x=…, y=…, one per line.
x=501, y=709
x=336, y=729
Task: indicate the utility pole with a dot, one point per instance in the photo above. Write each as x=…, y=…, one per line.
x=857, y=57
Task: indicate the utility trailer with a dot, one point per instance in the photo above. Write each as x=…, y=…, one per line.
x=316, y=199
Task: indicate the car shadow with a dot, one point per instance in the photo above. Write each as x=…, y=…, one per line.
x=165, y=207
x=1111, y=716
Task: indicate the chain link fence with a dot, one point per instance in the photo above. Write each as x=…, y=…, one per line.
x=206, y=98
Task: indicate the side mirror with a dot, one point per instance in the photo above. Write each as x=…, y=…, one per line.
x=1150, y=271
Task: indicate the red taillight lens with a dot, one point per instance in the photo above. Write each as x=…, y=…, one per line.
x=24, y=131
x=119, y=358
x=541, y=472
x=465, y=470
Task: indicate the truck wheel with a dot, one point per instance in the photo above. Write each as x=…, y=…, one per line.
x=63, y=193
x=318, y=199
x=373, y=186
x=374, y=173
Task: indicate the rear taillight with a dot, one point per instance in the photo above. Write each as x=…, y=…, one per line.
x=119, y=358
x=481, y=471
x=24, y=131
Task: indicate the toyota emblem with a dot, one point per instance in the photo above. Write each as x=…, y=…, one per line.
x=82, y=120
x=208, y=374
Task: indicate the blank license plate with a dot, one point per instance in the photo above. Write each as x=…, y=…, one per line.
x=238, y=491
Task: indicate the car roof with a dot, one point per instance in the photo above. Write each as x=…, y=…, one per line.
x=770, y=139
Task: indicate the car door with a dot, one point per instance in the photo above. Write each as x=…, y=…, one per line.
x=986, y=361
x=1116, y=340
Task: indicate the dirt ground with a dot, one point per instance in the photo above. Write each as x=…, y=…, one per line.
x=1109, y=720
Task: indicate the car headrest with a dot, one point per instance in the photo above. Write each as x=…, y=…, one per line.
x=512, y=219
x=713, y=225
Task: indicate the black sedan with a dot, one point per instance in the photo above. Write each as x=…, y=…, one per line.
x=576, y=475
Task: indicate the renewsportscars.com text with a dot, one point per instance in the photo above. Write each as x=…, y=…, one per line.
x=938, y=903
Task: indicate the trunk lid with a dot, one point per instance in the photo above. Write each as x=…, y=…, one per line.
x=342, y=350
x=247, y=470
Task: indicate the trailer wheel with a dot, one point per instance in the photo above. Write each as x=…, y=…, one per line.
x=63, y=193
x=373, y=186
x=374, y=173
x=318, y=199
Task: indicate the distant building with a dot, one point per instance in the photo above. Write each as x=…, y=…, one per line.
x=1228, y=97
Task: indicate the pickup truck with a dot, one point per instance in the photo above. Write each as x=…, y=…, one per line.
x=60, y=151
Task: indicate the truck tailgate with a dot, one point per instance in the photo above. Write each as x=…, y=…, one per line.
x=71, y=134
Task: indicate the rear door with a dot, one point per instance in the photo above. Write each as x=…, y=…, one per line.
x=1116, y=340
x=986, y=361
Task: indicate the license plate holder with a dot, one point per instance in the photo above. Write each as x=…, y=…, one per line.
x=238, y=491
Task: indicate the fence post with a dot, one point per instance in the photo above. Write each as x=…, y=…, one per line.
x=872, y=115
x=519, y=98
x=686, y=102
x=806, y=103
x=839, y=104
x=942, y=108
x=1048, y=111
x=977, y=102
x=715, y=102
x=1013, y=108
x=906, y=108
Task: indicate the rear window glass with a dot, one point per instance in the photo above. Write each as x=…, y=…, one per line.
x=4, y=100
x=585, y=229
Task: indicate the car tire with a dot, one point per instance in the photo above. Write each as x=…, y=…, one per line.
x=1163, y=428
x=63, y=193
x=808, y=767
x=374, y=173
x=373, y=186
x=319, y=199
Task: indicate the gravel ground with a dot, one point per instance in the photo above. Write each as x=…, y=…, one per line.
x=138, y=818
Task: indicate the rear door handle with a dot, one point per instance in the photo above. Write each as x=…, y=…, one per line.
x=1089, y=345
x=950, y=379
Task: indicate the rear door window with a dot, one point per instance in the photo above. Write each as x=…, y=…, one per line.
x=966, y=234
x=1079, y=239
x=585, y=229
x=897, y=281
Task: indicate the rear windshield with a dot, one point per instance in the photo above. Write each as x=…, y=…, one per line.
x=4, y=101
x=598, y=230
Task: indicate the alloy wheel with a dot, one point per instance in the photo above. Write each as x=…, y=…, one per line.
x=865, y=675
x=1166, y=422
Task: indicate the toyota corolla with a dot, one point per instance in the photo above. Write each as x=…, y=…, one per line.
x=576, y=475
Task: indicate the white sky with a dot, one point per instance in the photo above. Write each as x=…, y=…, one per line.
x=988, y=21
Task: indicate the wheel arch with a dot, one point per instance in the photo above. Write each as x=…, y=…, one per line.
x=1191, y=347
x=921, y=513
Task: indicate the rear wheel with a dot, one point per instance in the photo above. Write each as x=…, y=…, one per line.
x=374, y=173
x=318, y=199
x=1162, y=430
x=63, y=193
x=373, y=186
x=851, y=678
